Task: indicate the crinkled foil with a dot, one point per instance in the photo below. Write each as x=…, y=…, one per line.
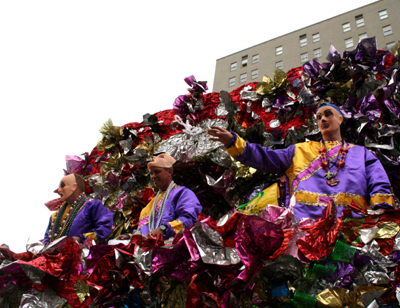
x=143, y=260
x=81, y=290
x=226, y=107
x=34, y=247
x=366, y=235
x=46, y=299
x=184, y=147
x=250, y=95
x=387, y=229
x=275, y=123
x=396, y=245
x=210, y=245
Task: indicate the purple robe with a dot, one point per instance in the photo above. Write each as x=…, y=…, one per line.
x=94, y=217
x=362, y=179
x=182, y=205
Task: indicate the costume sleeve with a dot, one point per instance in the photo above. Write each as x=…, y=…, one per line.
x=46, y=239
x=262, y=158
x=187, y=208
x=102, y=221
x=378, y=184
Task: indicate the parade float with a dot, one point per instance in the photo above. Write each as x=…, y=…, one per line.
x=246, y=249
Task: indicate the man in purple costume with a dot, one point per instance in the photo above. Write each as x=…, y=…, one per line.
x=318, y=172
x=174, y=208
x=79, y=217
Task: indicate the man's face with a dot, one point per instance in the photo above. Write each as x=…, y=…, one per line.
x=67, y=188
x=161, y=177
x=329, y=120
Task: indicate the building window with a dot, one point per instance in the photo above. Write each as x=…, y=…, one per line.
x=303, y=40
x=279, y=50
x=233, y=66
x=346, y=27
x=254, y=74
x=360, y=21
x=244, y=60
x=232, y=81
x=279, y=65
x=383, y=14
x=387, y=30
x=390, y=45
x=255, y=59
x=243, y=77
x=362, y=36
x=315, y=37
x=304, y=57
x=348, y=42
x=317, y=53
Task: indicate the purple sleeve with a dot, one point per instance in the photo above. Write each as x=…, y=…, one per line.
x=265, y=159
x=377, y=179
x=186, y=208
x=46, y=239
x=102, y=220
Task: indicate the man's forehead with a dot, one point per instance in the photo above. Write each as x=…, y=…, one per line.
x=68, y=179
x=327, y=108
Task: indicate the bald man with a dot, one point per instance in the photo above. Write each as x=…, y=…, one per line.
x=319, y=172
x=79, y=217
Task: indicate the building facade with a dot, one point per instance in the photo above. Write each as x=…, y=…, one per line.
x=379, y=19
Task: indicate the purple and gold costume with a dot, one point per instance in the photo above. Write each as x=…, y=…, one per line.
x=93, y=221
x=180, y=212
x=362, y=179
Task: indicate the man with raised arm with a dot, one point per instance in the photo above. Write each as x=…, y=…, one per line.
x=318, y=172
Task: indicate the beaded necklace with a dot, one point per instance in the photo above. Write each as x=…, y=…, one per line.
x=59, y=228
x=153, y=226
x=330, y=176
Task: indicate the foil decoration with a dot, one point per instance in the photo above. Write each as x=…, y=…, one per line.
x=274, y=123
x=81, y=290
x=271, y=86
x=226, y=107
x=253, y=96
x=111, y=135
x=74, y=163
x=211, y=246
x=184, y=147
x=34, y=247
x=46, y=299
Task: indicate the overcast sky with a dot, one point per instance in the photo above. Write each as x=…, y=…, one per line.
x=68, y=66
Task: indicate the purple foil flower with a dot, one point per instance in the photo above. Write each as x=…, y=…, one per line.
x=199, y=86
x=311, y=69
x=370, y=108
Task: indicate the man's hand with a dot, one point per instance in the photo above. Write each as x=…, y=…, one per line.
x=78, y=239
x=7, y=252
x=220, y=134
x=154, y=234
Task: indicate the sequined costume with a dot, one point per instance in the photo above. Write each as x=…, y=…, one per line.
x=94, y=220
x=180, y=212
x=362, y=179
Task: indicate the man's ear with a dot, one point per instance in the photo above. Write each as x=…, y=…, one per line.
x=341, y=119
x=75, y=186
